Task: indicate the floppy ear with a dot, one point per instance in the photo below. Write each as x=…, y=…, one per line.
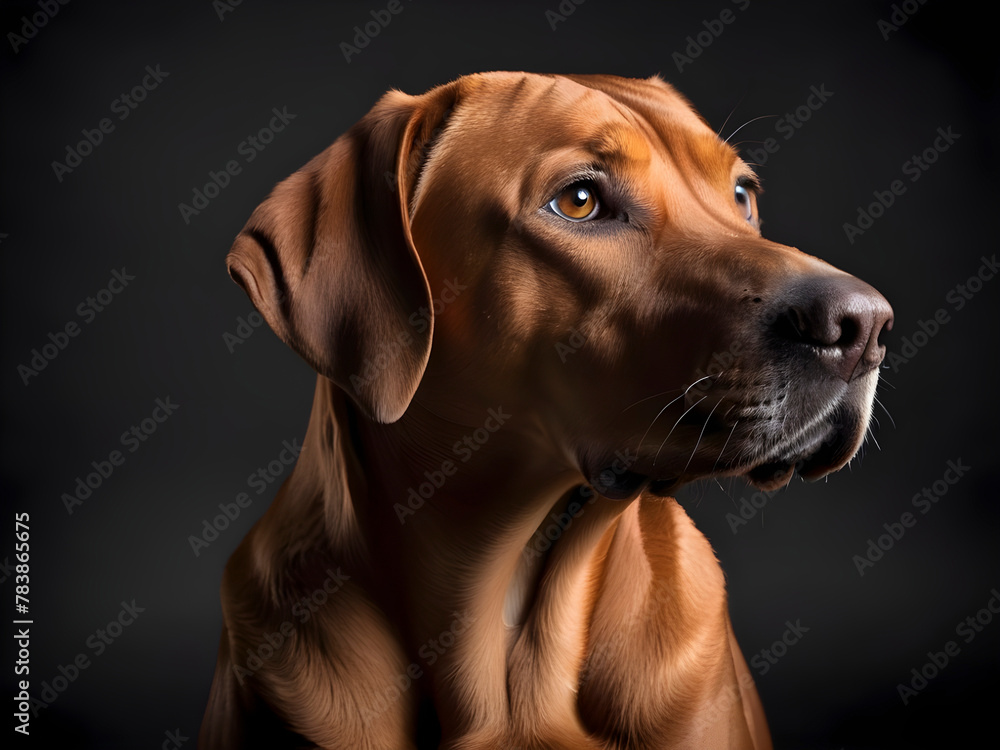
x=329, y=261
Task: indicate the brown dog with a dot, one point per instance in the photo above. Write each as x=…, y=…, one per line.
x=512, y=288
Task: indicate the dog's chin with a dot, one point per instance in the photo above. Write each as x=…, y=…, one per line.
x=822, y=453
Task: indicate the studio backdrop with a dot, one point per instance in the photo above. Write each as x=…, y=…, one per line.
x=142, y=395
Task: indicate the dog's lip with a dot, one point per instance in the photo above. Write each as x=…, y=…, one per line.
x=771, y=475
x=829, y=457
x=824, y=453
x=819, y=447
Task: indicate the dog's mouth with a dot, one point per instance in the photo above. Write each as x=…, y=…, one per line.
x=811, y=462
x=812, y=432
x=816, y=448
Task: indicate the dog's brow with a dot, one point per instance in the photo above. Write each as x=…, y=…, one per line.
x=712, y=157
x=615, y=144
x=683, y=133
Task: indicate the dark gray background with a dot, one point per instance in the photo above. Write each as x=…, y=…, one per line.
x=163, y=335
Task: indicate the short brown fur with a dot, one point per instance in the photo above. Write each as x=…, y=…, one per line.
x=615, y=634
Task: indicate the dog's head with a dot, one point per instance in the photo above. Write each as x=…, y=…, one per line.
x=582, y=248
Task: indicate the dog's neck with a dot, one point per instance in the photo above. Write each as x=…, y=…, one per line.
x=491, y=561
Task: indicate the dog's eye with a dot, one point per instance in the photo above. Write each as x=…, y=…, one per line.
x=744, y=201
x=577, y=202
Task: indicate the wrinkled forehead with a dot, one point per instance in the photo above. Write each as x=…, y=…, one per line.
x=668, y=121
x=513, y=126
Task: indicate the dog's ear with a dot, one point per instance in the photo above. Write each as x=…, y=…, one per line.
x=329, y=261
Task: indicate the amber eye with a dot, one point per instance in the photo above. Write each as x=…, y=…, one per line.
x=578, y=202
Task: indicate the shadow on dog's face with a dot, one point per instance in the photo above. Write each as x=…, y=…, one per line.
x=594, y=255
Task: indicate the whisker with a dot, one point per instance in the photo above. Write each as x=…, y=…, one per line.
x=877, y=401
x=647, y=398
x=724, y=446
x=675, y=426
x=724, y=492
x=747, y=123
x=875, y=440
x=731, y=113
x=701, y=435
x=643, y=438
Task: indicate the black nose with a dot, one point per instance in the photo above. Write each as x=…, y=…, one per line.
x=839, y=318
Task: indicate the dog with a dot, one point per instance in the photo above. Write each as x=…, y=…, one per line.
x=517, y=290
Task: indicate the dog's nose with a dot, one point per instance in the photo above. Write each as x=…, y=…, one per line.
x=840, y=318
